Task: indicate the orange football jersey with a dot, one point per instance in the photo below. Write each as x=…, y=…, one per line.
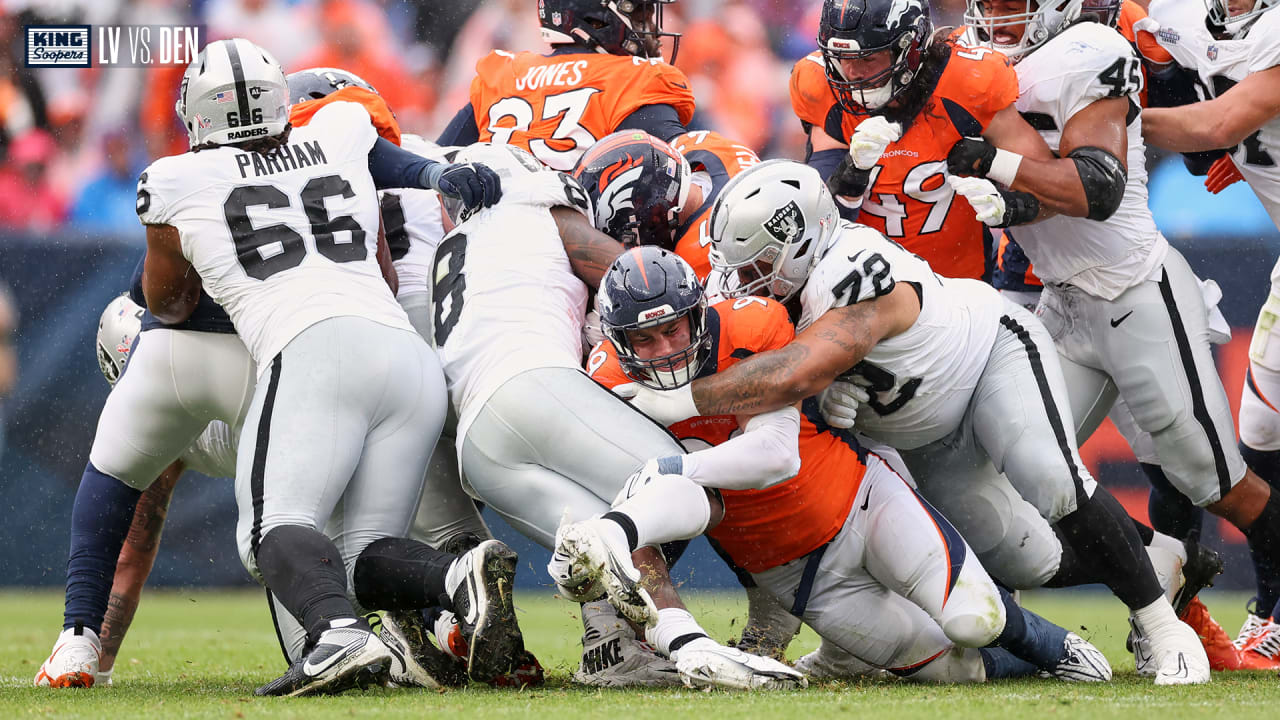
x=910, y=200
x=765, y=528
x=555, y=106
x=721, y=158
x=1142, y=41
x=384, y=121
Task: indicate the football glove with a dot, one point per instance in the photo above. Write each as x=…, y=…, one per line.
x=476, y=185
x=663, y=406
x=839, y=403
x=988, y=204
x=870, y=139
x=706, y=663
x=1222, y=173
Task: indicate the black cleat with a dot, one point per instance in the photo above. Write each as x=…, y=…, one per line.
x=416, y=661
x=342, y=659
x=1202, y=567
x=486, y=612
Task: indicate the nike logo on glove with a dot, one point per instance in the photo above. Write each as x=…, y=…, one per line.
x=1116, y=322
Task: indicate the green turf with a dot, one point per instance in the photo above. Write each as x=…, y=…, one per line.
x=200, y=654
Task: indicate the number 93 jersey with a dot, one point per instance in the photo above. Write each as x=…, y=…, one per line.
x=1082, y=65
x=920, y=380
x=1219, y=65
x=556, y=106
x=282, y=240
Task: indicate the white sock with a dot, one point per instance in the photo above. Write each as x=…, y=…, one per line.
x=1171, y=544
x=1155, y=616
x=673, y=623
x=669, y=507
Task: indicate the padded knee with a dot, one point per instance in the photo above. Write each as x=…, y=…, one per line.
x=974, y=614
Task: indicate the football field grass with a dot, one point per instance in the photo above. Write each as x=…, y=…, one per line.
x=199, y=654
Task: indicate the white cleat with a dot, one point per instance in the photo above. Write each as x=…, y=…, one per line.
x=574, y=579
x=705, y=663
x=1172, y=653
x=598, y=549
x=831, y=662
x=73, y=662
x=1081, y=662
x=612, y=656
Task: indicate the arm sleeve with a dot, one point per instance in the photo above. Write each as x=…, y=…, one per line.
x=660, y=121
x=393, y=167
x=461, y=130
x=826, y=161
x=765, y=454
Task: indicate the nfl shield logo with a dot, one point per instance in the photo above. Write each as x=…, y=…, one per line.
x=1212, y=52
x=555, y=18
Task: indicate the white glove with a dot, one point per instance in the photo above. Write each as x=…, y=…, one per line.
x=664, y=406
x=591, y=331
x=706, y=663
x=988, y=205
x=839, y=403
x=870, y=139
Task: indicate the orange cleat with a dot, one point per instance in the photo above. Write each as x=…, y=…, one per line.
x=1222, y=652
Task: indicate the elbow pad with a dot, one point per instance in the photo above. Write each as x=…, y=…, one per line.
x=1103, y=177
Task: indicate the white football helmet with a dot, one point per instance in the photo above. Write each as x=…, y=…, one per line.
x=233, y=91
x=1236, y=25
x=117, y=328
x=772, y=220
x=1040, y=22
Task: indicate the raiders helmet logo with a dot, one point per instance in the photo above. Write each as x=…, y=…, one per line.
x=787, y=224
x=255, y=92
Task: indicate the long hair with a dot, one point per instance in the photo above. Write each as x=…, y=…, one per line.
x=919, y=97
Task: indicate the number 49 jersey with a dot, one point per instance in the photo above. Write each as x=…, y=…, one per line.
x=285, y=240
x=556, y=106
x=920, y=380
x=1219, y=65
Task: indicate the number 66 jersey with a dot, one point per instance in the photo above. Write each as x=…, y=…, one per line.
x=280, y=240
x=922, y=379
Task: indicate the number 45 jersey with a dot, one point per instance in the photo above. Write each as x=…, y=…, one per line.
x=920, y=380
x=1083, y=64
x=285, y=240
x=1220, y=64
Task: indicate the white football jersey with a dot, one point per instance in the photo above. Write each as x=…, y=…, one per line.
x=413, y=222
x=920, y=380
x=214, y=452
x=281, y=241
x=1085, y=63
x=505, y=297
x=1220, y=64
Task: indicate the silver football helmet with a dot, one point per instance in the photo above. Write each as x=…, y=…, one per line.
x=769, y=225
x=1040, y=21
x=234, y=91
x=117, y=329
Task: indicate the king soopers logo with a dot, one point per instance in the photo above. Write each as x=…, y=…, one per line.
x=57, y=46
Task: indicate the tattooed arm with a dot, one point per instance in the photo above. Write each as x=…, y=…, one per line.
x=136, y=557
x=837, y=341
x=590, y=251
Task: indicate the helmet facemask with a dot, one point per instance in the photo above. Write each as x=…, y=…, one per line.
x=872, y=92
x=1037, y=22
x=1236, y=25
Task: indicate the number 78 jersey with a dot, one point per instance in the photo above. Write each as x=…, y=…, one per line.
x=556, y=106
x=920, y=380
x=285, y=240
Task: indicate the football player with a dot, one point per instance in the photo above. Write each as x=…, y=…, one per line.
x=827, y=527
x=605, y=72
x=955, y=377
x=1235, y=55
x=317, y=304
x=1083, y=79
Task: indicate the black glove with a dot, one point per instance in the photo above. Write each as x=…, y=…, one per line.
x=475, y=184
x=848, y=180
x=971, y=156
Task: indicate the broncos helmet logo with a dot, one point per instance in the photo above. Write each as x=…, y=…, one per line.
x=615, y=210
x=896, y=10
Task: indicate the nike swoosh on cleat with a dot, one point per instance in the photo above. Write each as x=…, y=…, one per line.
x=314, y=670
x=1116, y=321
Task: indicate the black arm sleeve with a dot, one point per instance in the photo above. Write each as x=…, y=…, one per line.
x=660, y=121
x=461, y=130
x=393, y=167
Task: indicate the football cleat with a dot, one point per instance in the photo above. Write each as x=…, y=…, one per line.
x=1081, y=662
x=528, y=671
x=343, y=658
x=574, y=580
x=1264, y=640
x=705, y=663
x=1172, y=654
x=1253, y=624
x=415, y=659
x=74, y=660
x=612, y=656
x=599, y=556
x=485, y=610
x=1222, y=652
x=1203, y=565
x=831, y=662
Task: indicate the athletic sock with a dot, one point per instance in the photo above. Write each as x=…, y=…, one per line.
x=304, y=570
x=675, y=628
x=100, y=520
x=401, y=574
x=1000, y=663
x=667, y=508
x=1172, y=513
x=1263, y=537
x=1103, y=537
x=1029, y=636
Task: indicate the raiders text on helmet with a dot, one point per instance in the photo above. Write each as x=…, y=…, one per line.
x=233, y=91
